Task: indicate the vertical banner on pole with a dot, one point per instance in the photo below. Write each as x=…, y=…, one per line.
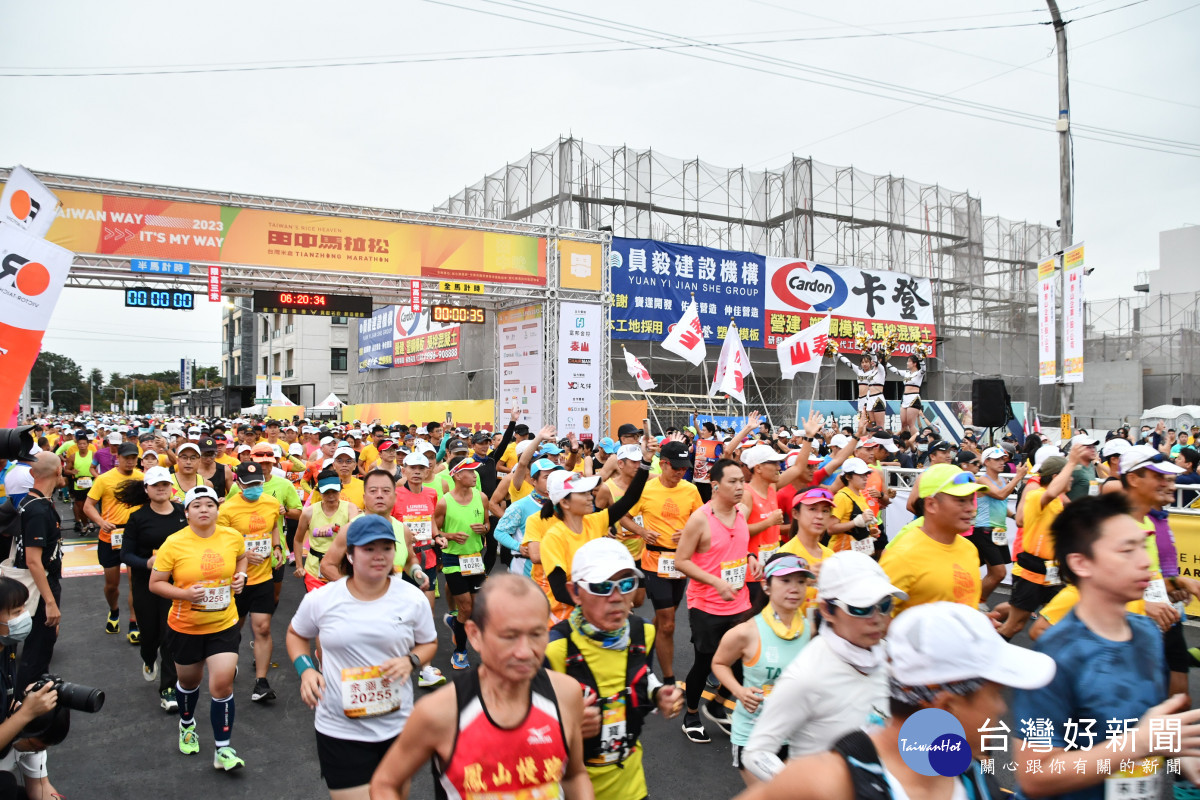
x=414, y=296
x=579, y=370
x=32, y=274
x=519, y=335
x=1073, y=321
x=214, y=283
x=185, y=374
x=1047, y=367
x=260, y=388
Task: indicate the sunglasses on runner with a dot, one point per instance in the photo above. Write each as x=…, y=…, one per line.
x=884, y=607
x=605, y=588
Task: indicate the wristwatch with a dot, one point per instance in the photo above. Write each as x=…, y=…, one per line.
x=416, y=662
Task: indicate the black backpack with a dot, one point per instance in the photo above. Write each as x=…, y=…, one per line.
x=870, y=784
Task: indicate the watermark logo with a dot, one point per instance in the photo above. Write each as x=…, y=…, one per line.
x=933, y=742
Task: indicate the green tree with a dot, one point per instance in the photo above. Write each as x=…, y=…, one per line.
x=59, y=372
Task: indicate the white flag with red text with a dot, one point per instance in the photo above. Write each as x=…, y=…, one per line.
x=638, y=372
x=27, y=203
x=733, y=367
x=686, y=337
x=803, y=351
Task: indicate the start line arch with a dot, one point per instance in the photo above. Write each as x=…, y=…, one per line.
x=267, y=243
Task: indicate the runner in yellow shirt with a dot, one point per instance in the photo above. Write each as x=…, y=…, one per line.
x=110, y=516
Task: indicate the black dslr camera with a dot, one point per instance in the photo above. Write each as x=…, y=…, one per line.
x=52, y=727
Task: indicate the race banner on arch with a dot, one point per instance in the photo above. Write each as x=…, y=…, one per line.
x=167, y=228
x=801, y=293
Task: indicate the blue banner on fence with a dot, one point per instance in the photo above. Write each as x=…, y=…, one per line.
x=652, y=283
x=375, y=339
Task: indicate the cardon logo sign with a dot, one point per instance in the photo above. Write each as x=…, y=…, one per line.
x=806, y=286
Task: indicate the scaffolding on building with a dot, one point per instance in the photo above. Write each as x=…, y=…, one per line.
x=983, y=269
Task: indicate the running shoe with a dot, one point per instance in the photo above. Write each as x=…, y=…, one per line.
x=430, y=676
x=167, y=701
x=189, y=740
x=113, y=624
x=135, y=635
x=718, y=715
x=262, y=691
x=1194, y=652
x=225, y=758
x=448, y=621
x=150, y=672
x=693, y=729
x=459, y=661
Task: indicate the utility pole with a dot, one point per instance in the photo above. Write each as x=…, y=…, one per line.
x=49, y=389
x=1065, y=222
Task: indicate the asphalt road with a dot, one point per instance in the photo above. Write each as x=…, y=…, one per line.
x=129, y=749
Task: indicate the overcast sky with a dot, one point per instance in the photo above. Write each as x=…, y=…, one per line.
x=484, y=81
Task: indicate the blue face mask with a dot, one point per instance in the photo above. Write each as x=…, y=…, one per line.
x=252, y=493
x=19, y=628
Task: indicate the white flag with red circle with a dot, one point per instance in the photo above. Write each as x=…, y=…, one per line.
x=27, y=203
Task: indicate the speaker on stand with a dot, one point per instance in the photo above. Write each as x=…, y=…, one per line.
x=990, y=405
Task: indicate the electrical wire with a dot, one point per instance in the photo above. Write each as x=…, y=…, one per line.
x=831, y=78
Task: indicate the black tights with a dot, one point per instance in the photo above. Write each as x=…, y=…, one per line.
x=699, y=675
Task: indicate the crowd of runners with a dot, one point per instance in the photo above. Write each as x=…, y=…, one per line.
x=557, y=567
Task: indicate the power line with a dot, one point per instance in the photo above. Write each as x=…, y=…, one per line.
x=826, y=77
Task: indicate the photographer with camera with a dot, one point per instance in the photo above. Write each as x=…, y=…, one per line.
x=15, y=625
x=38, y=549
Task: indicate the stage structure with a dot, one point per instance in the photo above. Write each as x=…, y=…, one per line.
x=982, y=268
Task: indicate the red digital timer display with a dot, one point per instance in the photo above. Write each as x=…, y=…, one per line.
x=316, y=304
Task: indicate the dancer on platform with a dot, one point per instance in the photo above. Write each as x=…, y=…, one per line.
x=910, y=406
x=870, y=387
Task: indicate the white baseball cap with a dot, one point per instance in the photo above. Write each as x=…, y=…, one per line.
x=856, y=579
x=345, y=450
x=187, y=446
x=157, y=475
x=994, y=452
x=520, y=448
x=600, y=559
x=562, y=483
x=938, y=643
x=1143, y=456
x=197, y=492
x=114, y=438
x=887, y=443
x=855, y=466
x=295, y=449
x=1084, y=440
x=838, y=441
x=328, y=440
x=1115, y=447
x=415, y=460
x=629, y=452
x=761, y=454
x=1044, y=452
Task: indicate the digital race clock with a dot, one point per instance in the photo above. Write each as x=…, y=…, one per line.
x=145, y=297
x=316, y=304
x=465, y=315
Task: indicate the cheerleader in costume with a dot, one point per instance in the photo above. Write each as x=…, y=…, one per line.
x=870, y=387
x=910, y=406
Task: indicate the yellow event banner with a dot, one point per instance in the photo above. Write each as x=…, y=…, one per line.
x=141, y=227
x=1186, y=528
x=579, y=265
x=473, y=413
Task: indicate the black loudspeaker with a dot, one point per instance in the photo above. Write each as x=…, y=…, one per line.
x=990, y=407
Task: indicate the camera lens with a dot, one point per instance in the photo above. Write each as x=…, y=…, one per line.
x=78, y=697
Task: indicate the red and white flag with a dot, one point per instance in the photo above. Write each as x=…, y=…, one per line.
x=686, y=337
x=733, y=367
x=638, y=372
x=804, y=351
x=27, y=203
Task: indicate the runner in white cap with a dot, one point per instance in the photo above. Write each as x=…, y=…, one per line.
x=838, y=683
x=945, y=656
